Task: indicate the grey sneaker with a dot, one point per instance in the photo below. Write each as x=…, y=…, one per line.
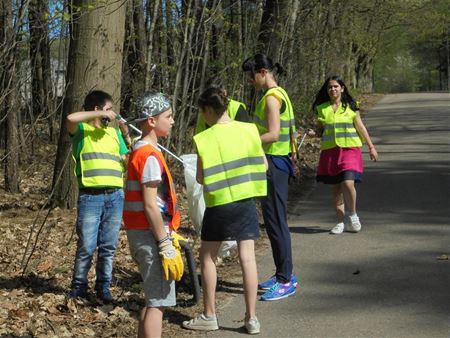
x=252, y=326
x=201, y=323
x=355, y=224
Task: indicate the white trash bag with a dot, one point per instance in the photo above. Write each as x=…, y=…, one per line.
x=196, y=202
x=194, y=191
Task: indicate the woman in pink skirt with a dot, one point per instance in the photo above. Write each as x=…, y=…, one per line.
x=343, y=134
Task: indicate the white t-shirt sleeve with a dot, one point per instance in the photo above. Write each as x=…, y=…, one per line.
x=152, y=170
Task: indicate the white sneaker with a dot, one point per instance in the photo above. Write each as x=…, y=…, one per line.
x=338, y=229
x=201, y=323
x=252, y=326
x=355, y=224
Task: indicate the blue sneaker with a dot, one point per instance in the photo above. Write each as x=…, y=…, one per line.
x=105, y=295
x=268, y=284
x=294, y=280
x=279, y=291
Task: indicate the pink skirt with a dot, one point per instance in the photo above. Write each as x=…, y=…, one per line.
x=340, y=164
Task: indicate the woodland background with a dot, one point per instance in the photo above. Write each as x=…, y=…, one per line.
x=52, y=53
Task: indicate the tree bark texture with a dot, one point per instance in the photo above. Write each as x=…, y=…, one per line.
x=41, y=85
x=134, y=56
x=8, y=103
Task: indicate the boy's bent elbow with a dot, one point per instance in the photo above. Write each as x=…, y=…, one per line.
x=71, y=125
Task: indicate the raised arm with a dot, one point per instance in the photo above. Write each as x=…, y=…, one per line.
x=73, y=119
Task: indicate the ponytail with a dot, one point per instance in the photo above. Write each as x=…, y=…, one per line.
x=279, y=69
x=261, y=61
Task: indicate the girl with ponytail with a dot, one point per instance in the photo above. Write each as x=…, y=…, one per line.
x=274, y=118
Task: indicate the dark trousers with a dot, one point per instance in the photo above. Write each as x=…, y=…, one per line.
x=274, y=209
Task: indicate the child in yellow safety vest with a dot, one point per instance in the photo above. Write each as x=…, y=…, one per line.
x=236, y=110
x=274, y=118
x=232, y=168
x=99, y=152
x=341, y=163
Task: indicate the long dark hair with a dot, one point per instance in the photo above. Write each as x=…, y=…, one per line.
x=260, y=61
x=346, y=99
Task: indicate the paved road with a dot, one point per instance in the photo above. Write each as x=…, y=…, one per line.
x=385, y=281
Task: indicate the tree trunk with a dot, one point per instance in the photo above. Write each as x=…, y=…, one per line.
x=8, y=79
x=95, y=48
x=288, y=55
x=447, y=45
x=272, y=27
x=364, y=73
x=134, y=61
x=151, y=24
x=41, y=86
x=169, y=53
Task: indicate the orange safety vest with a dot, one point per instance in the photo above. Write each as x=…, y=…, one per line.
x=133, y=214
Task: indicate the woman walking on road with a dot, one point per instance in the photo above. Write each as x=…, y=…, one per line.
x=274, y=118
x=343, y=134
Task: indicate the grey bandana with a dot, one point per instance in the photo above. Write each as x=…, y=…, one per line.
x=151, y=104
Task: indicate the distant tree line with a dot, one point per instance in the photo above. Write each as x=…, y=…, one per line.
x=53, y=52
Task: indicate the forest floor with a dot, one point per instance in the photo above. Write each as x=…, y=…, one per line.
x=37, y=248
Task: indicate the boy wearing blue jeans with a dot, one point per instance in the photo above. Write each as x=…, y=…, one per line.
x=99, y=152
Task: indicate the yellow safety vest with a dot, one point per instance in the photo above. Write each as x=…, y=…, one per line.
x=339, y=129
x=233, y=163
x=282, y=146
x=100, y=160
x=233, y=108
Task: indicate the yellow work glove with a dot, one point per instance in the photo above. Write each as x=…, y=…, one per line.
x=171, y=260
x=176, y=239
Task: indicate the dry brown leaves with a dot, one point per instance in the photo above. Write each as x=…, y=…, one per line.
x=35, y=304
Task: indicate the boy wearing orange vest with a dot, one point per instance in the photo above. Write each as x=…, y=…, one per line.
x=151, y=214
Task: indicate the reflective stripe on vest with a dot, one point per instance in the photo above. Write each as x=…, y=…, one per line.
x=100, y=164
x=134, y=206
x=233, y=165
x=232, y=110
x=232, y=171
x=287, y=121
x=102, y=172
x=133, y=214
x=339, y=129
x=133, y=185
x=229, y=182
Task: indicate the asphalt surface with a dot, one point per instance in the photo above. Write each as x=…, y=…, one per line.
x=387, y=280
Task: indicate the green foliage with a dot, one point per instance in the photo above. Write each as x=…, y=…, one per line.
x=401, y=74
x=414, y=50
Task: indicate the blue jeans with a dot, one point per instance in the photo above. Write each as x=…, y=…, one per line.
x=98, y=223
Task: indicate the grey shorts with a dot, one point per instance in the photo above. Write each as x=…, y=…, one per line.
x=144, y=250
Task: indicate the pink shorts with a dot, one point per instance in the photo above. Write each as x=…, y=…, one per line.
x=339, y=164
